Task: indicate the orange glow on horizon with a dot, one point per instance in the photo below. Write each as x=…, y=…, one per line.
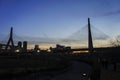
x=83, y=51
x=73, y=45
x=42, y=47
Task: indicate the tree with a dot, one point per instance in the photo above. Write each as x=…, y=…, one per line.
x=115, y=42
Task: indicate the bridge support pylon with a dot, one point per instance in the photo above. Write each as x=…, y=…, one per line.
x=90, y=42
x=10, y=40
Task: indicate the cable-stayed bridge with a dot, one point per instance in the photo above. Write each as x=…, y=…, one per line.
x=79, y=39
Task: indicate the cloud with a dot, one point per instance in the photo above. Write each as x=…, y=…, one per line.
x=112, y=13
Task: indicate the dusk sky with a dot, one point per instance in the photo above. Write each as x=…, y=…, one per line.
x=58, y=18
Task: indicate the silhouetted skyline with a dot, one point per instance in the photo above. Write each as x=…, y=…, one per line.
x=50, y=42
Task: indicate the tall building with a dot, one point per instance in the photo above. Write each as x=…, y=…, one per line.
x=36, y=48
x=0, y=46
x=19, y=44
x=24, y=46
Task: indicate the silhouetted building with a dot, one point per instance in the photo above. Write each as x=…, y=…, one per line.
x=36, y=48
x=61, y=49
x=24, y=46
x=18, y=48
x=0, y=46
x=20, y=44
x=59, y=46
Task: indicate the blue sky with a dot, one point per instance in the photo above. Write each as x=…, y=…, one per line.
x=58, y=18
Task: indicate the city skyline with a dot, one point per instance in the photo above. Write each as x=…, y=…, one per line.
x=59, y=39
x=74, y=41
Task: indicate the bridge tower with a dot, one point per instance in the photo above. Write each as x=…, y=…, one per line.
x=10, y=40
x=90, y=42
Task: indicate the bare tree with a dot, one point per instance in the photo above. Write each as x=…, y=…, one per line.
x=115, y=42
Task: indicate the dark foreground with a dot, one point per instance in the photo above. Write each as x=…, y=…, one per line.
x=56, y=67
x=77, y=71
x=45, y=67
